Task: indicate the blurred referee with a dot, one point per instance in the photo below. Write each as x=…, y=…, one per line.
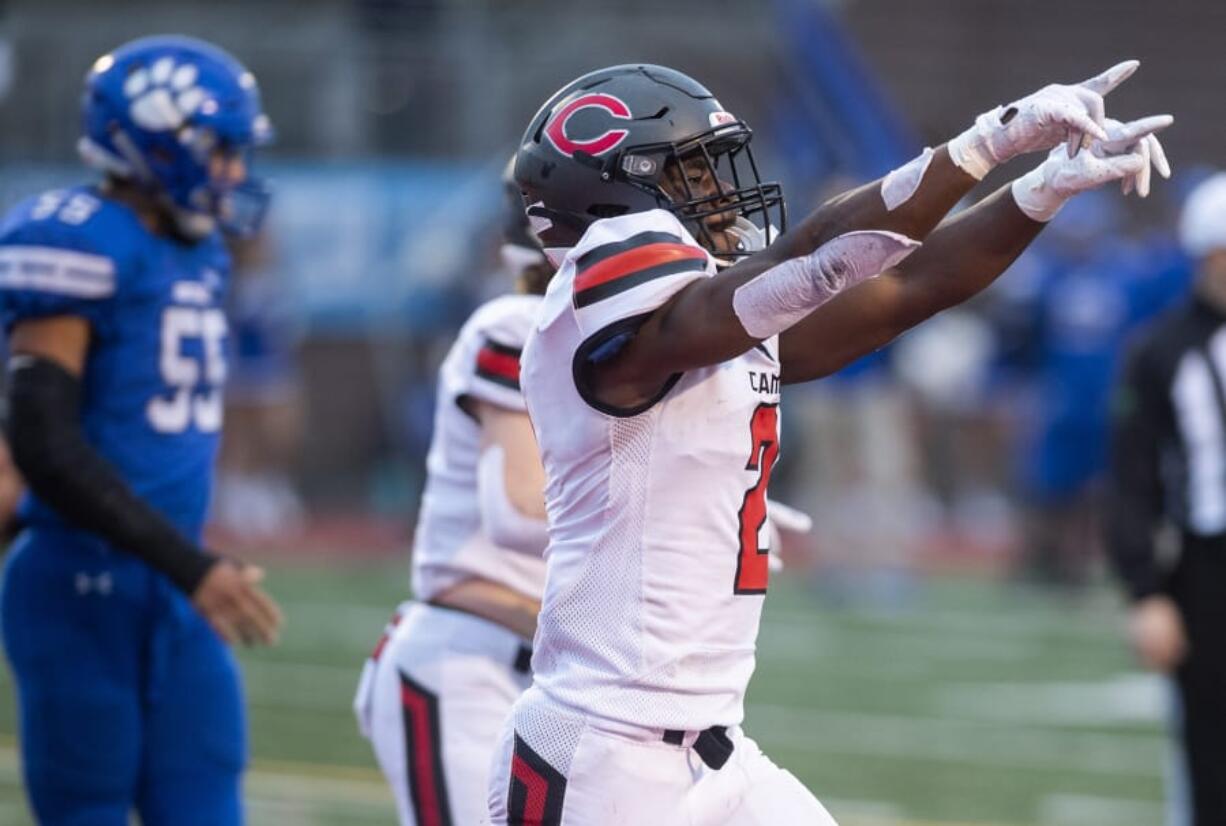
x=1167, y=509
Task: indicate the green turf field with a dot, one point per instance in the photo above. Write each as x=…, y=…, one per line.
x=974, y=706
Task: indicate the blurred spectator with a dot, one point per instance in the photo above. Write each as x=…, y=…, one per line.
x=255, y=496
x=904, y=459
x=1167, y=520
x=946, y=364
x=1066, y=314
x=849, y=460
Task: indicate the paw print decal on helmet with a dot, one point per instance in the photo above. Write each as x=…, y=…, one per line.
x=165, y=95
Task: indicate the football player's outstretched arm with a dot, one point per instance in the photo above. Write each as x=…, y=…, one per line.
x=708, y=322
x=932, y=187
x=66, y=472
x=913, y=199
x=958, y=260
x=967, y=252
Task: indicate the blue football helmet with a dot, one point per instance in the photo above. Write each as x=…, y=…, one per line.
x=155, y=112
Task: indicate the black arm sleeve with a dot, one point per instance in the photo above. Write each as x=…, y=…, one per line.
x=1135, y=494
x=67, y=473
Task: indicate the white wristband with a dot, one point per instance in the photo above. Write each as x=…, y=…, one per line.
x=899, y=185
x=969, y=151
x=1035, y=197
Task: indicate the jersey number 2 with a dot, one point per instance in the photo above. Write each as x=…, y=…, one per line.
x=189, y=402
x=752, y=566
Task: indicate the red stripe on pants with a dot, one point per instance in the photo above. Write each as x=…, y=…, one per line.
x=425, y=784
x=538, y=791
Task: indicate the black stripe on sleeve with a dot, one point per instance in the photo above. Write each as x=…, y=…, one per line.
x=610, y=288
x=605, y=251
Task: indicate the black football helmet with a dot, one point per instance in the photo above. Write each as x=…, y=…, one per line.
x=601, y=146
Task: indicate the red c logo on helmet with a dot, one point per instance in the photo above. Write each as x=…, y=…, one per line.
x=610, y=138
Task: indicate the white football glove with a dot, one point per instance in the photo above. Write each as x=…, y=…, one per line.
x=1055, y=114
x=1139, y=134
x=783, y=519
x=1126, y=157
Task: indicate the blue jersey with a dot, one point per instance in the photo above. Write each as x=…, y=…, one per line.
x=1083, y=312
x=151, y=390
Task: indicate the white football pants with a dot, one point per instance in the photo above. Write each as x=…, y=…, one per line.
x=433, y=699
x=599, y=774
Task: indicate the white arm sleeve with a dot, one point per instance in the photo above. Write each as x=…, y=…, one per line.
x=777, y=298
x=505, y=526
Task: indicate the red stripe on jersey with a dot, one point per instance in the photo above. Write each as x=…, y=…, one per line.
x=633, y=260
x=492, y=362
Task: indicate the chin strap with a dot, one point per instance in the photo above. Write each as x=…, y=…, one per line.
x=98, y=158
x=129, y=166
x=137, y=168
x=749, y=236
x=544, y=219
x=194, y=226
x=748, y=239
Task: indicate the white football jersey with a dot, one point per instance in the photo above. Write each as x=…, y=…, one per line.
x=450, y=545
x=657, y=560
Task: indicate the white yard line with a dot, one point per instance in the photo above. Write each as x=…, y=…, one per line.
x=965, y=742
x=1086, y=810
x=1123, y=699
x=804, y=640
x=1093, y=623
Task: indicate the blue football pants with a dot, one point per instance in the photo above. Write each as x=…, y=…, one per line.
x=128, y=700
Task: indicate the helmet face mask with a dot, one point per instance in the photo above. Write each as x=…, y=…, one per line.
x=237, y=206
x=711, y=182
x=666, y=143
